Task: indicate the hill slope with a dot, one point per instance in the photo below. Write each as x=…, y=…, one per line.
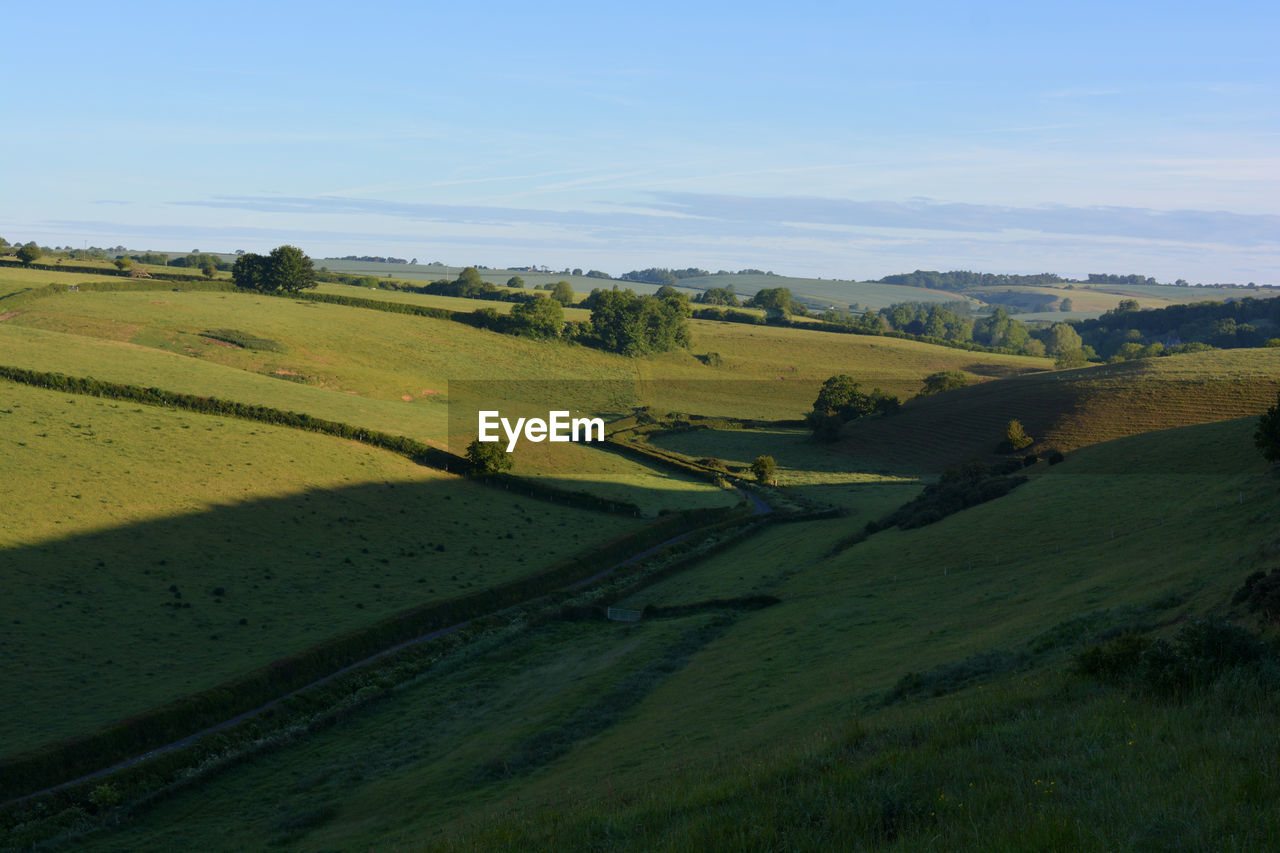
x=1067, y=409
x=779, y=727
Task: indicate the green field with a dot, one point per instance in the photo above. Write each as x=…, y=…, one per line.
x=786, y=688
x=788, y=701
x=1067, y=409
x=110, y=505
x=449, y=303
x=815, y=471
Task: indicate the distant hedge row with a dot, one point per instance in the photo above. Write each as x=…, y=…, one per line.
x=723, y=315
x=414, y=450
x=378, y=305
x=167, y=276
x=23, y=297
x=53, y=764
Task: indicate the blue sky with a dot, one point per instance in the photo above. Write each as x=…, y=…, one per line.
x=828, y=139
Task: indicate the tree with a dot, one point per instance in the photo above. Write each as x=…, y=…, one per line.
x=776, y=301
x=285, y=270
x=291, y=270
x=943, y=380
x=1015, y=436
x=562, y=292
x=250, y=271
x=3, y=243
x=515, y=281
x=718, y=296
x=28, y=253
x=764, y=469
x=1267, y=436
x=1065, y=305
x=840, y=400
x=487, y=457
x=637, y=325
x=470, y=277
x=1061, y=338
x=123, y=264
x=209, y=270
x=538, y=318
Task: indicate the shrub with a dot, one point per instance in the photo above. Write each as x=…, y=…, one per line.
x=1015, y=437
x=1113, y=662
x=1261, y=592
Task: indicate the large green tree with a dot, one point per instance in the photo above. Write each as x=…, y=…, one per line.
x=776, y=301
x=1061, y=338
x=538, y=318
x=638, y=325
x=562, y=292
x=285, y=270
x=841, y=400
x=28, y=253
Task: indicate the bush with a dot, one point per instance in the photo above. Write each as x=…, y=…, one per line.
x=1261, y=593
x=1056, y=456
x=943, y=380
x=1015, y=437
x=764, y=469
x=1115, y=661
x=487, y=457
x=1201, y=652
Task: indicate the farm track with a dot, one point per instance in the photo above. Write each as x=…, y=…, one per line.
x=759, y=507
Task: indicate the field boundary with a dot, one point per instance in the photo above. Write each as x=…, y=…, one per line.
x=412, y=449
x=84, y=270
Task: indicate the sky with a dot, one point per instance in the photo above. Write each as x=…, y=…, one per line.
x=831, y=139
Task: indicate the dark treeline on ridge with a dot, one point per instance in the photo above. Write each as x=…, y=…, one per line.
x=1127, y=332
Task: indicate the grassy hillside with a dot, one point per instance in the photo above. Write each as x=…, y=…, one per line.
x=718, y=720
x=149, y=553
x=386, y=358
x=730, y=728
x=810, y=469
x=449, y=303
x=774, y=373
x=1067, y=409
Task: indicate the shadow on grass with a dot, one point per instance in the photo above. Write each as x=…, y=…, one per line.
x=98, y=626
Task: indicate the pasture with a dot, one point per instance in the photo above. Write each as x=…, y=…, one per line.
x=581, y=730
x=156, y=552
x=1067, y=409
x=138, y=538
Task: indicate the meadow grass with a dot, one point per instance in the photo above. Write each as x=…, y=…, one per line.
x=449, y=303
x=140, y=537
x=1067, y=409
x=789, y=701
x=17, y=279
x=1079, y=549
x=805, y=466
x=787, y=367
x=390, y=357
